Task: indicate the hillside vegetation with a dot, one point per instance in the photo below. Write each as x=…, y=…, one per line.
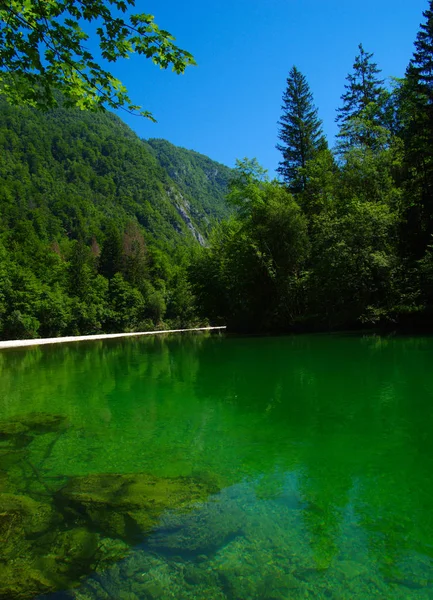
x=97, y=225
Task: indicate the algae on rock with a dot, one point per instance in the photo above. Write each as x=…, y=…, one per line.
x=127, y=506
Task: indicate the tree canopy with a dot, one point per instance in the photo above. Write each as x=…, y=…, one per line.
x=43, y=48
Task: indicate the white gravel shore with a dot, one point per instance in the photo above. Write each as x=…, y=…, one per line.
x=82, y=338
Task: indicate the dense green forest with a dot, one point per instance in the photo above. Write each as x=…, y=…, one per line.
x=102, y=232
x=97, y=226
x=345, y=238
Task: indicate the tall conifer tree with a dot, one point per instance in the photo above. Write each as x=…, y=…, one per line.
x=423, y=57
x=363, y=104
x=416, y=129
x=300, y=131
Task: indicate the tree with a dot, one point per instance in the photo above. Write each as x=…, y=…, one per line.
x=423, y=57
x=246, y=184
x=300, y=131
x=415, y=116
x=353, y=264
x=323, y=176
x=43, y=48
x=111, y=258
x=133, y=254
x=361, y=117
x=251, y=275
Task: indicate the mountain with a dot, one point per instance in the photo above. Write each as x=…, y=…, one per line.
x=85, y=205
x=202, y=181
x=83, y=169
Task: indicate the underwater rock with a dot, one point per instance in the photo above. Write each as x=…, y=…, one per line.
x=24, y=513
x=33, y=423
x=10, y=456
x=125, y=506
x=350, y=569
x=202, y=531
x=17, y=433
x=45, y=422
x=410, y=583
x=10, y=429
x=77, y=552
x=21, y=520
x=19, y=580
x=39, y=556
x=13, y=436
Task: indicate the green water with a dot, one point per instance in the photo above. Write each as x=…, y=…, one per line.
x=213, y=467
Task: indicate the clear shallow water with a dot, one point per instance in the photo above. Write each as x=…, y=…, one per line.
x=207, y=467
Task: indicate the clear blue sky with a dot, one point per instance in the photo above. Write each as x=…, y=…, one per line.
x=228, y=106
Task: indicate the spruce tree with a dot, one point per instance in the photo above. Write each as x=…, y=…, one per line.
x=363, y=104
x=300, y=131
x=415, y=111
x=422, y=61
x=420, y=72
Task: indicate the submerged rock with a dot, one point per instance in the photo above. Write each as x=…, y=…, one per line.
x=10, y=456
x=126, y=506
x=11, y=429
x=22, y=518
x=18, y=432
x=32, y=423
x=203, y=530
x=60, y=564
x=38, y=555
x=83, y=528
x=20, y=580
x=22, y=521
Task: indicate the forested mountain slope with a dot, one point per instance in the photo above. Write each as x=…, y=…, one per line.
x=93, y=230
x=82, y=169
x=203, y=182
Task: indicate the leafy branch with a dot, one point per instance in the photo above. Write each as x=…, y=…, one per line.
x=42, y=49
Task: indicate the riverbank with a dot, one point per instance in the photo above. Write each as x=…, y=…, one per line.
x=83, y=338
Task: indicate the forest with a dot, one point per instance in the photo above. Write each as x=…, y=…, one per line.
x=97, y=226
x=344, y=238
x=101, y=231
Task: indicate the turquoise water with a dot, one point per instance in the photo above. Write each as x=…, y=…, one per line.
x=213, y=467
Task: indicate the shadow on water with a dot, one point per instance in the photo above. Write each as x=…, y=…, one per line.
x=211, y=467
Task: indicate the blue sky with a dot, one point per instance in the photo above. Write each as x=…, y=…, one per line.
x=228, y=106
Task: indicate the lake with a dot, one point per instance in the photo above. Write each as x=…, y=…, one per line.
x=205, y=466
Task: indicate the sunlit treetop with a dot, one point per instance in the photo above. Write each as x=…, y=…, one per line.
x=43, y=48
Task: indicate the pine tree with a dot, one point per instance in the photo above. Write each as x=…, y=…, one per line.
x=415, y=111
x=363, y=104
x=300, y=131
x=422, y=61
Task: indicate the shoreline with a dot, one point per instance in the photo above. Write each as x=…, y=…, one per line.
x=101, y=336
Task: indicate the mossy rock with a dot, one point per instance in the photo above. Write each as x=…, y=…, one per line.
x=22, y=522
x=22, y=519
x=127, y=505
x=20, y=580
x=10, y=456
x=33, y=423
x=57, y=559
x=76, y=552
x=11, y=429
x=33, y=517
